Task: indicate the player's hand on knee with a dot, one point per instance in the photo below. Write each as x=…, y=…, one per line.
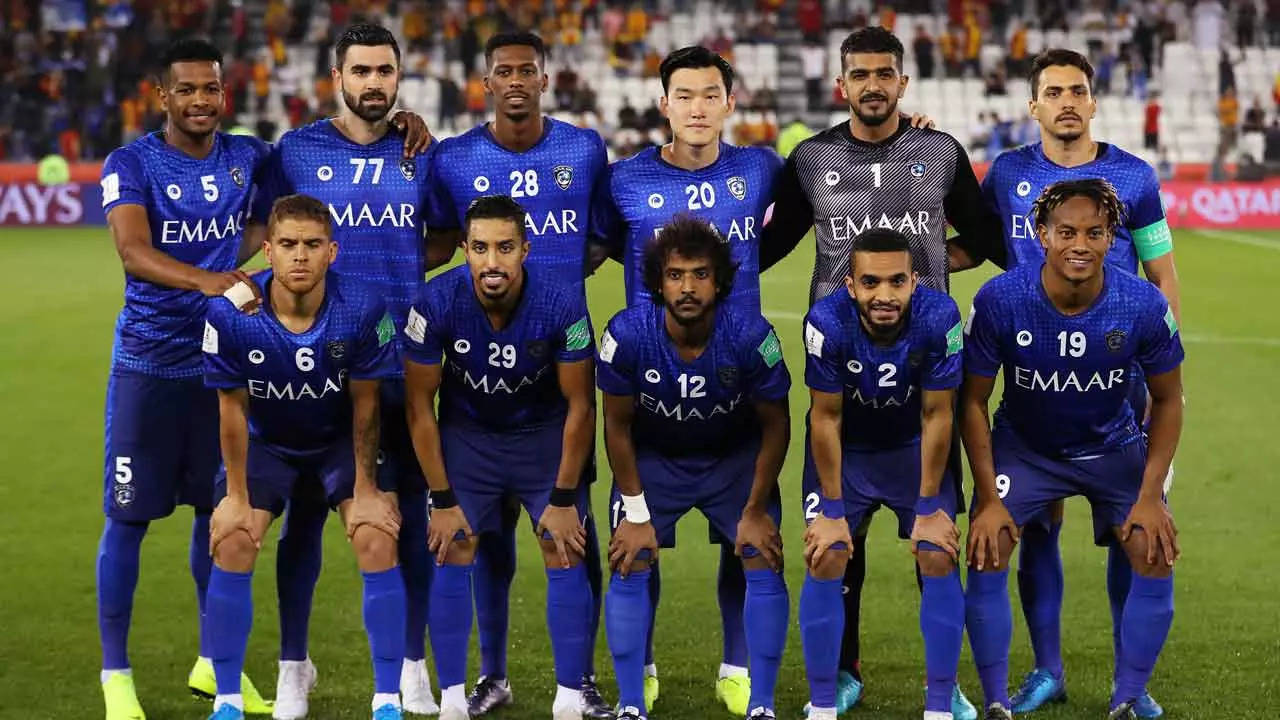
x=566, y=531
x=629, y=540
x=821, y=534
x=443, y=528
x=417, y=136
x=1153, y=516
x=233, y=514
x=988, y=521
x=759, y=531
x=375, y=509
x=936, y=528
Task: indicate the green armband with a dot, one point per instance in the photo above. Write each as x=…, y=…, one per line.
x=1153, y=240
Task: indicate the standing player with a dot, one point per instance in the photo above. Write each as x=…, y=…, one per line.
x=695, y=408
x=1067, y=333
x=176, y=202
x=882, y=366
x=731, y=188
x=1063, y=105
x=877, y=171
x=355, y=164
x=298, y=394
x=516, y=417
x=550, y=168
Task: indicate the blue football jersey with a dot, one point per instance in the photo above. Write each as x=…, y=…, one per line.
x=196, y=208
x=644, y=192
x=552, y=181
x=881, y=384
x=299, y=399
x=1017, y=177
x=698, y=408
x=1066, y=377
x=375, y=198
x=499, y=379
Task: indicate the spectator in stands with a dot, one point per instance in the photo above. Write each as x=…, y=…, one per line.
x=1249, y=169
x=566, y=86
x=1207, y=20
x=1246, y=23
x=792, y=135
x=1018, y=62
x=1255, y=120
x=1226, y=71
x=475, y=98
x=1273, y=23
x=1228, y=121
x=1271, y=154
x=1104, y=70
x=813, y=63
x=809, y=19
x=972, y=44
x=995, y=83
x=1151, y=123
x=951, y=43
x=980, y=132
x=922, y=47
x=1164, y=166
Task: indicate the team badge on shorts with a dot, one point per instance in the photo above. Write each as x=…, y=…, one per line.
x=408, y=168
x=728, y=377
x=336, y=348
x=123, y=495
x=563, y=175
x=237, y=176
x=737, y=187
x=1115, y=340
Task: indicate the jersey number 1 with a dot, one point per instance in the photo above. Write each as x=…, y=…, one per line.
x=875, y=173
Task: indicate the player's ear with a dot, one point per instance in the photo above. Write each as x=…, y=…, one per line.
x=485, y=79
x=663, y=106
x=732, y=101
x=333, y=249
x=844, y=92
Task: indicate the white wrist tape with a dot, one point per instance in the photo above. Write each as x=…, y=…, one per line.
x=239, y=294
x=636, y=509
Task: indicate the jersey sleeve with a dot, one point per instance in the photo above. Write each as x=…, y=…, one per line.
x=607, y=225
x=766, y=373
x=441, y=212
x=1160, y=346
x=791, y=218
x=375, y=353
x=1151, y=235
x=615, y=366
x=123, y=182
x=424, y=337
x=942, y=363
x=270, y=183
x=574, y=338
x=979, y=229
x=823, y=359
x=981, y=337
x=223, y=363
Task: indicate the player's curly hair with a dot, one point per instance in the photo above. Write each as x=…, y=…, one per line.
x=299, y=207
x=1102, y=193
x=691, y=237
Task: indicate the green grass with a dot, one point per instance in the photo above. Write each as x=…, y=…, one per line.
x=56, y=317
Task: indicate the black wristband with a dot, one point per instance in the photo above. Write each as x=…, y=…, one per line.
x=564, y=497
x=443, y=499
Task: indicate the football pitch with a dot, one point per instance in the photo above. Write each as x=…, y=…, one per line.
x=1222, y=660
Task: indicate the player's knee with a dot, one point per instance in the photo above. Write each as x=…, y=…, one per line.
x=935, y=564
x=754, y=562
x=375, y=550
x=830, y=566
x=236, y=552
x=1137, y=548
x=461, y=551
x=551, y=557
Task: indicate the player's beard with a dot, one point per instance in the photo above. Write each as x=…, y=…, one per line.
x=687, y=320
x=872, y=120
x=884, y=332
x=364, y=112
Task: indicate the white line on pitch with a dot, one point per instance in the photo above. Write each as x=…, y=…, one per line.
x=1239, y=238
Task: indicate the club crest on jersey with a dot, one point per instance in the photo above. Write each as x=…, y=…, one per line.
x=1115, y=340
x=481, y=184
x=462, y=347
x=563, y=175
x=737, y=187
x=408, y=169
x=728, y=377
x=1024, y=188
x=537, y=349
x=237, y=176
x=917, y=170
x=656, y=200
x=257, y=356
x=173, y=191
x=652, y=376
x=336, y=348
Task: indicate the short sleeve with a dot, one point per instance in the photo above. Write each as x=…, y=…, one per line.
x=765, y=371
x=574, y=337
x=823, y=359
x=1151, y=235
x=223, y=363
x=270, y=183
x=123, y=182
x=1160, y=346
x=981, y=337
x=942, y=363
x=424, y=337
x=375, y=353
x=441, y=212
x=615, y=366
x=606, y=225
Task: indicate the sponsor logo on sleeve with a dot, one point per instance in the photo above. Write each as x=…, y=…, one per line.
x=955, y=339
x=110, y=189
x=608, y=346
x=386, y=329
x=416, y=327
x=1171, y=321
x=813, y=339
x=210, y=343
x=770, y=349
x=578, y=336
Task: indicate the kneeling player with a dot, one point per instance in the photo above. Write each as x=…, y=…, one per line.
x=509, y=352
x=882, y=364
x=695, y=408
x=298, y=398
x=1067, y=333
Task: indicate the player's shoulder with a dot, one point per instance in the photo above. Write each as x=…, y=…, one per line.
x=463, y=141
x=831, y=312
x=1009, y=287
x=303, y=134
x=630, y=322
x=623, y=169
x=350, y=292
x=245, y=144
x=567, y=131
x=1128, y=171
x=1130, y=287
x=759, y=157
x=835, y=135
x=548, y=292
x=742, y=322
x=933, y=303
x=443, y=289
x=1014, y=159
x=1118, y=156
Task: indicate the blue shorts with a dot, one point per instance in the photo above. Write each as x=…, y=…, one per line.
x=870, y=479
x=719, y=487
x=1029, y=482
x=486, y=469
x=161, y=446
x=275, y=475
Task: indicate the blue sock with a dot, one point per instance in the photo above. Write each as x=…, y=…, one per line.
x=821, y=629
x=626, y=614
x=990, y=622
x=655, y=592
x=201, y=563
x=384, y=610
x=767, y=611
x=1040, y=586
x=1119, y=577
x=230, y=604
x=731, y=595
x=568, y=606
x=417, y=566
x=298, y=559
x=495, y=569
x=450, y=622
x=1148, y=614
x=117, y=577
x=942, y=625
x=595, y=579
